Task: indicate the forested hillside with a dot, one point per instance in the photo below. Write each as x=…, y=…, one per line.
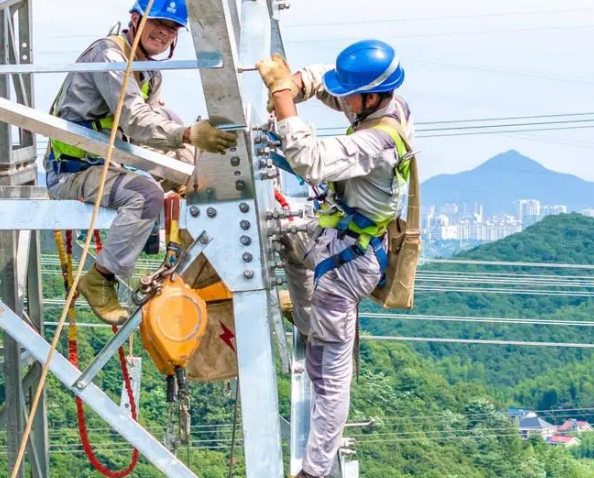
x=436, y=406
x=565, y=239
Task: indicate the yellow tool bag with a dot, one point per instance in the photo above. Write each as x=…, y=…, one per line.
x=404, y=245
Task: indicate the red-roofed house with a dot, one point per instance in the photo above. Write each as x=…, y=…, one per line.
x=575, y=426
x=562, y=440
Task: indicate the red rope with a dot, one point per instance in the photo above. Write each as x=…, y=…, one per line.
x=82, y=424
x=282, y=201
x=97, y=238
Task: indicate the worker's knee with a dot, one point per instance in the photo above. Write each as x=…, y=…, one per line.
x=151, y=195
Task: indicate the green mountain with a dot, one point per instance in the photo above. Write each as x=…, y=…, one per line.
x=435, y=406
x=566, y=239
x=500, y=181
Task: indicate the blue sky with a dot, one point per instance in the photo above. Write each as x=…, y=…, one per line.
x=464, y=59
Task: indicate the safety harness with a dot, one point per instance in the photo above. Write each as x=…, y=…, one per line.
x=65, y=158
x=348, y=221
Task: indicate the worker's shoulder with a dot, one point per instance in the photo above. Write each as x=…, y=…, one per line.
x=104, y=49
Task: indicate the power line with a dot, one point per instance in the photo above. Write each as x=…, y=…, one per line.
x=555, y=265
x=490, y=129
x=474, y=133
x=473, y=437
x=505, y=291
x=504, y=118
x=543, y=411
x=490, y=320
x=316, y=42
x=477, y=341
x=445, y=17
x=486, y=120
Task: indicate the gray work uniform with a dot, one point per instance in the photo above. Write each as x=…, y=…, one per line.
x=137, y=198
x=362, y=165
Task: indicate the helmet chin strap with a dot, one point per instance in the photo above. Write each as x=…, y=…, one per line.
x=367, y=110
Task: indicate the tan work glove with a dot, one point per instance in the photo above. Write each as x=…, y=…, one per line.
x=277, y=76
x=205, y=136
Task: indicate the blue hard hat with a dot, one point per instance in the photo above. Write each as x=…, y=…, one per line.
x=173, y=10
x=368, y=66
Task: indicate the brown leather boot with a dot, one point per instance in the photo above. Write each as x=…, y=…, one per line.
x=101, y=294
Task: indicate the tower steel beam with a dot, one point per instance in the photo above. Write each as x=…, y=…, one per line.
x=19, y=252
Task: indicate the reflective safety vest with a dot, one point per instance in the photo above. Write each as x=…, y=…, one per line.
x=61, y=150
x=344, y=218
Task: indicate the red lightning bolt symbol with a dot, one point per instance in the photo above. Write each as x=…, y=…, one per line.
x=227, y=336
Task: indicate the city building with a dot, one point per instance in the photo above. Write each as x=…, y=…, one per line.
x=466, y=222
x=552, y=210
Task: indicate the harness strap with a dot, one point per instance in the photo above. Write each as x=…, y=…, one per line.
x=350, y=254
x=61, y=149
x=349, y=219
x=337, y=260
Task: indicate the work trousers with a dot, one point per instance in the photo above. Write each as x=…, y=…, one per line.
x=327, y=313
x=138, y=200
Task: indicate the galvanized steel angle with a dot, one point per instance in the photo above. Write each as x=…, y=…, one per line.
x=96, y=399
x=225, y=251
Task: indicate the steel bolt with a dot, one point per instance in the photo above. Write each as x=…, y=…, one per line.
x=194, y=211
x=268, y=175
x=240, y=185
x=248, y=274
x=235, y=160
x=245, y=225
x=204, y=239
x=247, y=257
x=211, y=212
x=244, y=207
x=265, y=163
x=245, y=240
x=276, y=282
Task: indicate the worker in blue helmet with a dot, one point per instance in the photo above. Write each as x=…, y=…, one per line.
x=342, y=258
x=90, y=99
x=169, y=14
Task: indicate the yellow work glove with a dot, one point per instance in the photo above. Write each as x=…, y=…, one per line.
x=205, y=136
x=277, y=76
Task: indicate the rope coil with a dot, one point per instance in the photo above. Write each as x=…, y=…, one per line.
x=66, y=263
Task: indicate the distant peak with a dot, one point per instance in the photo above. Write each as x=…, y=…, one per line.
x=513, y=160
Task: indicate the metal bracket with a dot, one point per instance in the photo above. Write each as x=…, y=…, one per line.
x=93, y=141
x=301, y=403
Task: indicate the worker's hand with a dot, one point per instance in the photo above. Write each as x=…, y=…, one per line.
x=276, y=74
x=205, y=136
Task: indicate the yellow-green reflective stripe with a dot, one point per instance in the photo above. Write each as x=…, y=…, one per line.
x=400, y=146
x=146, y=90
x=61, y=148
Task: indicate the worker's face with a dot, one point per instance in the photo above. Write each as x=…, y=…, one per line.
x=355, y=102
x=158, y=35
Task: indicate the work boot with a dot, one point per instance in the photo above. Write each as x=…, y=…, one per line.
x=101, y=294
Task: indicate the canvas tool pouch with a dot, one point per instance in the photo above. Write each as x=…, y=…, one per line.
x=404, y=246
